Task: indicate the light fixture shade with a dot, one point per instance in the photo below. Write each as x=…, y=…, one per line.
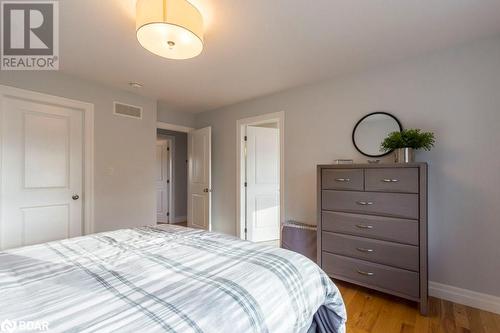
x=169, y=28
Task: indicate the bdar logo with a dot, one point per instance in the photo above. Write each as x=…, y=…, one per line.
x=7, y=326
x=30, y=35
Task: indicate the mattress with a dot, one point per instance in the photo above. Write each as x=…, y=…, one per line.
x=165, y=279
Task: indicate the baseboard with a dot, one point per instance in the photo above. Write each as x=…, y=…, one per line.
x=464, y=296
x=179, y=219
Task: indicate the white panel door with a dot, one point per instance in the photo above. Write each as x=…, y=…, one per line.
x=41, y=172
x=263, y=179
x=199, y=178
x=163, y=181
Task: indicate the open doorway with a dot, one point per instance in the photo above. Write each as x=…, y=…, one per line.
x=171, y=177
x=260, y=178
x=188, y=190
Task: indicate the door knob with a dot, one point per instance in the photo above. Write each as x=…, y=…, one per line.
x=206, y=190
x=75, y=197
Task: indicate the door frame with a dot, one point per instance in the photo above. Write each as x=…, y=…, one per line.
x=171, y=175
x=173, y=127
x=278, y=117
x=88, y=143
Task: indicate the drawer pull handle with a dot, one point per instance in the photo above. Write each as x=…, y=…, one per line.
x=343, y=180
x=364, y=226
x=388, y=180
x=362, y=249
x=366, y=273
x=364, y=203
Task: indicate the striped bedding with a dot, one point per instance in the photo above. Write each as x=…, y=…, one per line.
x=165, y=279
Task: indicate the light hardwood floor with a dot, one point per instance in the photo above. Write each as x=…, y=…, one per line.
x=373, y=312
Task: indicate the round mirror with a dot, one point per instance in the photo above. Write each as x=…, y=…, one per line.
x=371, y=130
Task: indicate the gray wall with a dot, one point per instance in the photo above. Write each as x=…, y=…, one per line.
x=125, y=197
x=180, y=171
x=167, y=114
x=454, y=93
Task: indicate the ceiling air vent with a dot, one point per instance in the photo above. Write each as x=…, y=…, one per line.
x=126, y=110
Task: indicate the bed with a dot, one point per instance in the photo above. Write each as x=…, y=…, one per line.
x=166, y=279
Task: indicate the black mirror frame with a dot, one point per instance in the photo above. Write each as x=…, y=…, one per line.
x=368, y=115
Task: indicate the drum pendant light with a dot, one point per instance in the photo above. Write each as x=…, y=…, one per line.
x=169, y=28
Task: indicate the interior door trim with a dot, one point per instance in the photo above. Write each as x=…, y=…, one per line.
x=170, y=139
x=278, y=117
x=88, y=142
x=173, y=127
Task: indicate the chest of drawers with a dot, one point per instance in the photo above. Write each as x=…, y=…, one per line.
x=372, y=227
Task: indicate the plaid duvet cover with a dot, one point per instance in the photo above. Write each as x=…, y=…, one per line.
x=164, y=279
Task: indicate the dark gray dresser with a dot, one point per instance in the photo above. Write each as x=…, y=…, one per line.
x=372, y=227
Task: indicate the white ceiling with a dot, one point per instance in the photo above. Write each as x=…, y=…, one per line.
x=257, y=47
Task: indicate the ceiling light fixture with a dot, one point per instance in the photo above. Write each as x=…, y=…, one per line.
x=169, y=28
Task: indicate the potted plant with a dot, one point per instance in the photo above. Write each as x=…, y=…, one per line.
x=405, y=143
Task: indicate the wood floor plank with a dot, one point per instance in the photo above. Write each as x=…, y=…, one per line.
x=448, y=317
x=497, y=319
x=356, y=307
x=369, y=311
x=435, y=315
x=347, y=293
x=384, y=322
x=488, y=321
x=461, y=319
x=392, y=319
x=405, y=328
x=422, y=323
x=475, y=320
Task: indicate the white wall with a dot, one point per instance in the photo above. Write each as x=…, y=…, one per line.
x=455, y=93
x=167, y=114
x=124, y=147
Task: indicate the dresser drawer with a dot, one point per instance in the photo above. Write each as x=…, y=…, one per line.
x=342, y=179
x=382, y=252
x=390, y=204
x=371, y=274
x=385, y=228
x=392, y=180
